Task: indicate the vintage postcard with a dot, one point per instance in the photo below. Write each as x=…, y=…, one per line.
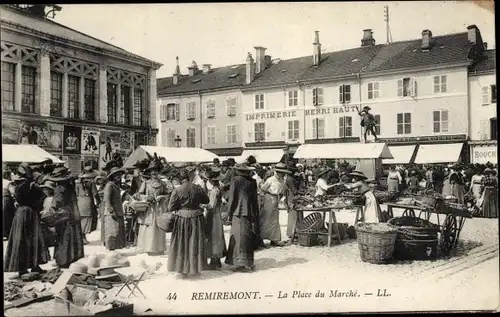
x=249, y=158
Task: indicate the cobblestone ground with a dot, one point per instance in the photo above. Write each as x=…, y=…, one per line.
x=466, y=280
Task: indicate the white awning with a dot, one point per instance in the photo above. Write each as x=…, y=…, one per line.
x=28, y=153
x=402, y=154
x=439, y=153
x=264, y=156
x=344, y=151
x=171, y=154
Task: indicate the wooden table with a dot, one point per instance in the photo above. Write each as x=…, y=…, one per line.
x=331, y=210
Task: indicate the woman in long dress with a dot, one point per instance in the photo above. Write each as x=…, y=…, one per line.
x=151, y=239
x=273, y=189
x=489, y=198
x=8, y=207
x=26, y=247
x=114, y=217
x=100, y=181
x=88, y=200
x=394, y=179
x=476, y=184
x=453, y=185
x=69, y=236
x=216, y=244
x=187, y=246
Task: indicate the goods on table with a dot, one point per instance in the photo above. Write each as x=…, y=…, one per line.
x=375, y=241
x=417, y=239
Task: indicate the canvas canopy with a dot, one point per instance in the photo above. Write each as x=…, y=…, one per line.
x=402, y=154
x=171, y=154
x=344, y=151
x=29, y=153
x=263, y=156
x=439, y=153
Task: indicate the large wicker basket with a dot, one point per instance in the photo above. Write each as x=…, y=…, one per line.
x=375, y=241
x=307, y=229
x=417, y=239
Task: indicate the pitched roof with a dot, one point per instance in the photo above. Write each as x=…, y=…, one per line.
x=485, y=64
x=50, y=27
x=217, y=78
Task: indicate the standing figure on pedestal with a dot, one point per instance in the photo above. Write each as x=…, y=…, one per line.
x=368, y=122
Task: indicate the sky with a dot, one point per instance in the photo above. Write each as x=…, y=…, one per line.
x=221, y=34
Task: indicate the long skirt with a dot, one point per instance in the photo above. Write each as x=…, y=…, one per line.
x=446, y=191
x=489, y=208
x=151, y=239
x=69, y=243
x=187, y=245
x=114, y=232
x=457, y=190
x=476, y=191
x=8, y=214
x=269, y=219
x=393, y=185
x=293, y=218
x=372, y=208
x=103, y=233
x=86, y=223
x=26, y=248
x=241, y=242
x=216, y=244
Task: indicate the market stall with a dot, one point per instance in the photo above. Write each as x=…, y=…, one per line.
x=439, y=153
x=171, y=154
x=263, y=156
x=29, y=153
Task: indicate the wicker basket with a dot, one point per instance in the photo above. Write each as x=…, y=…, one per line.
x=311, y=224
x=308, y=239
x=417, y=239
x=375, y=246
x=139, y=206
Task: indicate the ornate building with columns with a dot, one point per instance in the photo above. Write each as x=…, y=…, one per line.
x=73, y=95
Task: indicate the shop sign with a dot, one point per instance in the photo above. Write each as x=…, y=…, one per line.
x=90, y=141
x=424, y=139
x=331, y=110
x=46, y=135
x=72, y=140
x=271, y=115
x=484, y=154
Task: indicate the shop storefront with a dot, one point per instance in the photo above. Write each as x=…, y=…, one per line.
x=482, y=152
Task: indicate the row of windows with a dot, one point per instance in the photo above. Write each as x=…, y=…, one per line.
x=170, y=111
x=28, y=89
x=345, y=126
x=230, y=133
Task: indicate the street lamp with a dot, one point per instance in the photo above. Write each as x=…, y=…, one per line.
x=178, y=141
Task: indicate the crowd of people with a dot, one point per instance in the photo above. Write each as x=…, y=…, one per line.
x=44, y=205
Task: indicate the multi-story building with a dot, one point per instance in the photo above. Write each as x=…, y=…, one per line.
x=483, y=109
x=417, y=90
x=202, y=109
x=71, y=94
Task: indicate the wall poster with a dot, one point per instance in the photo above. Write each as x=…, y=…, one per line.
x=90, y=142
x=10, y=131
x=110, y=144
x=72, y=140
x=46, y=135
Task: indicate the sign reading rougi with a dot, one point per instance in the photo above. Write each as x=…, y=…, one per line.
x=484, y=154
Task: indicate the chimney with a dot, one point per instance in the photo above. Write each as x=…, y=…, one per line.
x=206, y=68
x=193, y=69
x=426, y=40
x=474, y=37
x=177, y=71
x=368, y=39
x=250, y=69
x=260, y=59
x=268, y=61
x=316, y=49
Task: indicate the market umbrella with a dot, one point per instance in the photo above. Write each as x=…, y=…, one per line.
x=171, y=154
x=29, y=153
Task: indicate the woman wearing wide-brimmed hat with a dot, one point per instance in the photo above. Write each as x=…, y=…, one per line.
x=69, y=236
x=151, y=239
x=243, y=214
x=372, y=212
x=322, y=186
x=100, y=181
x=476, y=183
x=114, y=217
x=26, y=247
x=88, y=200
x=273, y=190
x=216, y=244
x=453, y=184
x=489, y=198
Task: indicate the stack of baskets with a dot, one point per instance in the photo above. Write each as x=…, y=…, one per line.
x=307, y=229
x=375, y=241
x=417, y=239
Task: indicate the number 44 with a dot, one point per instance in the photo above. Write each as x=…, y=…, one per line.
x=171, y=296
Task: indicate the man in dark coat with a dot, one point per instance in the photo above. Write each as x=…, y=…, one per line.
x=243, y=215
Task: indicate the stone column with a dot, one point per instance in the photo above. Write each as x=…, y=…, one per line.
x=18, y=87
x=44, y=84
x=119, y=104
x=65, y=96
x=103, y=94
x=81, y=97
x=151, y=102
x=131, y=109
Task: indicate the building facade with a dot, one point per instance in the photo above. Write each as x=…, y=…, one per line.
x=202, y=109
x=77, y=97
x=483, y=110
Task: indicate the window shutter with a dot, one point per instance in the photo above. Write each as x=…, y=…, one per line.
x=314, y=127
x=320, y=96
x=413, y=87
x=443, y=83
x=370, y=90
x=315, y=96
x=341, y=127
x=436, y=84
x=341, y=94
x=400, y=88
x=485, y=94
x=347, y=93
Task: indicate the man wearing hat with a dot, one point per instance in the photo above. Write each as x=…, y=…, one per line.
x=368, y=122
x=114, y=221
x=88, y=200
x=243, y=213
